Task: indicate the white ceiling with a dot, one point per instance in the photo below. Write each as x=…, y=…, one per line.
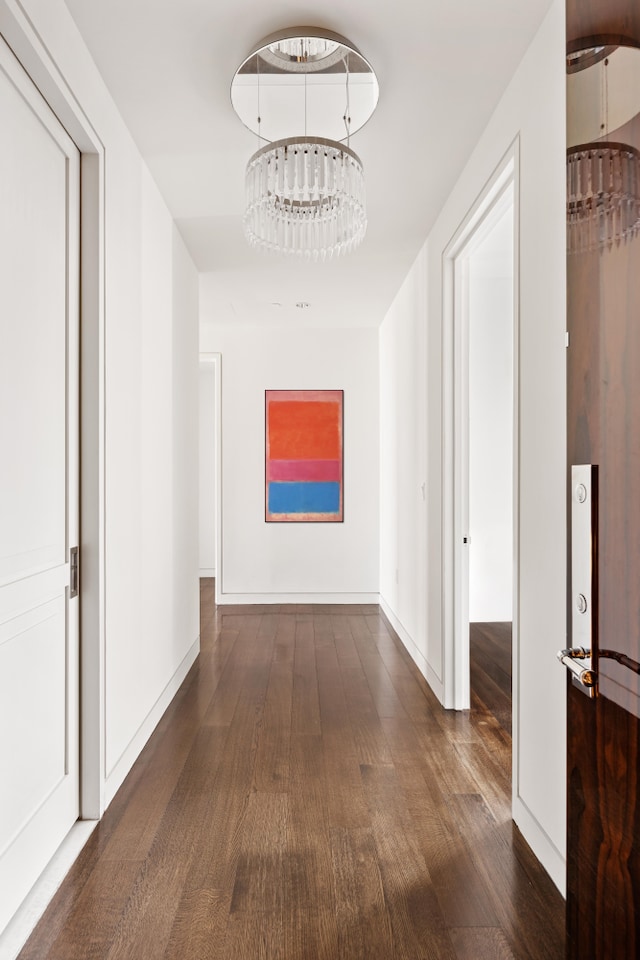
x=441, y=66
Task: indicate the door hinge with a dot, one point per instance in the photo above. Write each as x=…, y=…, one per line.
x=74, y=572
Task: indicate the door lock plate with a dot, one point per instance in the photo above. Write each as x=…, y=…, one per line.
x=584, y=519
x=74, y=573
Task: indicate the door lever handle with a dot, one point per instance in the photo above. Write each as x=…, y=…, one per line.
x=574, y=659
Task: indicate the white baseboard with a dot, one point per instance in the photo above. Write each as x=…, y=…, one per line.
x=276, y=598
x=207, y=572
x=416, y=655
x=544, y=849
x=117, y=775
x=23, y=922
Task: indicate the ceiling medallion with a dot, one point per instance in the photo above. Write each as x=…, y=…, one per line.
x=303, y=92
x=603, y=175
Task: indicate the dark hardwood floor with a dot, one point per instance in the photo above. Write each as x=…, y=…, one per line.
x=306, y=798
x=490, y=657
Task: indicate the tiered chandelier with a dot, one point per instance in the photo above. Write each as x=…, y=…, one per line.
x=603, y=175
x=305, y=194
x=603, y=195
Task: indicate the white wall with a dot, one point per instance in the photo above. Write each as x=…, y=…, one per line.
x=491, y=309
x=532, y=109
x=296, y=562
x=207, y=473
x=403, y=462
x=150, y=611
x=151, y=416
x=184, y=456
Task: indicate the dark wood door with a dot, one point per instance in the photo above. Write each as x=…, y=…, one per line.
x=603, y=418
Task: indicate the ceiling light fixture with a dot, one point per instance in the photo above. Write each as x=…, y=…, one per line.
x=305, y=193
x=302, y=54
x=603, y=176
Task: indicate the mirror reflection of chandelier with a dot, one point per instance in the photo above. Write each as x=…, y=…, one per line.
x=303, y=92
x=603, y=174
x=302, y=54
x=603, y=195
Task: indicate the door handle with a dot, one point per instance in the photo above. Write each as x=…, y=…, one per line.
x=577, y=660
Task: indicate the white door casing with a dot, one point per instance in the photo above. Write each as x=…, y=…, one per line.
x=455, y=405
x=39, y=474
x=214, y=361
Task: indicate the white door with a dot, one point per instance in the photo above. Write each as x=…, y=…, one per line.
x=39, y=683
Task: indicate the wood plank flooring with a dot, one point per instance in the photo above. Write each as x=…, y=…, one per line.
x=306, y=798
x=490, y=658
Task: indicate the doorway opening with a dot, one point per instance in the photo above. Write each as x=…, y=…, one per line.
x=489, y=324
x=480, y=408
x=210, y=482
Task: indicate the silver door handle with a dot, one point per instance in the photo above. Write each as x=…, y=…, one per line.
x=577, y=660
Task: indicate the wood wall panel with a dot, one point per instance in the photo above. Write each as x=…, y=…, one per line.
x=603, y=427
x=587, y=18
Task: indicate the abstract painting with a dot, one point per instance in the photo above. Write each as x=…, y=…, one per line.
x=304, y=456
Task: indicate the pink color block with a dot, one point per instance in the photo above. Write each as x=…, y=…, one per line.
x=305, y=470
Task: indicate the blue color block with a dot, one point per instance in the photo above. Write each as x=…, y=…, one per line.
x=304, y=497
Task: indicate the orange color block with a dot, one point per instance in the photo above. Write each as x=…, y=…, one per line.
x=302, y=430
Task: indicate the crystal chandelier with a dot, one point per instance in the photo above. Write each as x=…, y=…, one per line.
x=305, y=195
x=303, y=54
x=603, y=195
x=603, y=176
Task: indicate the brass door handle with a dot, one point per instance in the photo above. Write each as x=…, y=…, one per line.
x=577, y=660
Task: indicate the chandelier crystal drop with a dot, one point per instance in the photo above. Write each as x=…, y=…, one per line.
x=302, y=50
x=305, y=197
x=603, y=195
x=304, y=91
x=603, y=160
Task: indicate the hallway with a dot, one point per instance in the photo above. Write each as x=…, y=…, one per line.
x=305, y=797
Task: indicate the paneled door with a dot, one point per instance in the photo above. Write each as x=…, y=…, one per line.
x=603, y=366
x=39, y=325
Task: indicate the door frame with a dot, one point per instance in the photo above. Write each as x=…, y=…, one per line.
x=216, y=360
x=455, y=430
x=39, y=63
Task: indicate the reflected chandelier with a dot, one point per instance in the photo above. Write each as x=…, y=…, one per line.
x=603, y=177
x=603, y=195
x=305, y=195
